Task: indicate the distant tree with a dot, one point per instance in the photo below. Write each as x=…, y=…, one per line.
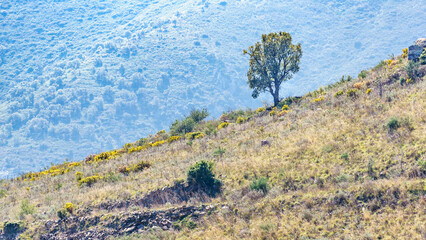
x=272, y=61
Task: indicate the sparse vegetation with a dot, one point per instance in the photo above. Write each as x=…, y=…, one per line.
x=350, y=161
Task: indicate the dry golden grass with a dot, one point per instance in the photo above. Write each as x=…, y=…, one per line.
x=319, y=152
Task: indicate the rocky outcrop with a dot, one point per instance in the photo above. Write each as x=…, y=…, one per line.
x=123, y=223
x=414, y=51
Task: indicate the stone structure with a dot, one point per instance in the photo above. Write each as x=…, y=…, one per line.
x=414, y=51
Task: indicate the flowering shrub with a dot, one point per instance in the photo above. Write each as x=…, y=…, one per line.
x=261, y=109
x=105, y=156
x=318, y=99
x=338, y=93
x=138, y=148
x=351, y=92
x=135, y=168
x=53, y=171
x=194, y=135
x=282, y=113
x=173, y=139
x=272, y=113
x=285, y=107
x=158, y=143
x=223, y=125
x=69, y=207
x=405, y=52
x=241, y=120
x=368, y=91
x=89, y=180
x=78, y=176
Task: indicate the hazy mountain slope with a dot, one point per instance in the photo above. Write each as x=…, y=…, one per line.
x=343, y=162
x=77, y=78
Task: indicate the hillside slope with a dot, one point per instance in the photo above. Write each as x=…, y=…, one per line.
x=343, y=162
x=91, y=76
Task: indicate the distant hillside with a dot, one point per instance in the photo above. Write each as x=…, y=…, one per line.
x=79, y=78
x=346, y=161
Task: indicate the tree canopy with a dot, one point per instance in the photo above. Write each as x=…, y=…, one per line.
x=272, y=61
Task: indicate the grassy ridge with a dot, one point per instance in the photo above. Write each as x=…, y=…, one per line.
x=346, y=161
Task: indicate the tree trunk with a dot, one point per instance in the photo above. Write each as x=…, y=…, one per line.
x=276, y=98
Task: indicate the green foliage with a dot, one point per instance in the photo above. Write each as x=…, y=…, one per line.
x=26, y=208
x=62, y=213
x=241, y=120
x=260, y=184
x=12, y=228
x=344, y=156
x=202, y=174
x=363, y=74
x=78, y=176
x=393, y=124
x=272, y=61
x=412, y=69
x=351, y=92
x=423, y=57
x=182, y=127
x=219, y=152
x=198, y=115
x=194, y=135
x=3, y=193
x=188, y=124
x=338, y=93
x=380, y=65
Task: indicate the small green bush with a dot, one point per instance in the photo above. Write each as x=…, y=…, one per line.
x=412, y=69
x=351, y=92
x=182, y=127
x=62, y=213
x=3, y=193
x=260, y=184
x=344, y=156
x=393, y=124
x=202, y=174
x=339, y=93
x=198, y=115
x=363, y=74
x=423, y=58
x=26, y=208
x=241, y=120
x=12, y=228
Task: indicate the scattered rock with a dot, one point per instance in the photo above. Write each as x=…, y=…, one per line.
x=414, y=51
x=265, y=143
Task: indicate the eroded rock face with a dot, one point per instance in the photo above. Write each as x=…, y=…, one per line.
x=414, y=51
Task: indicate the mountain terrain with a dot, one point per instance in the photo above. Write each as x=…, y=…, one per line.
x=79, y=78
x=346, y=161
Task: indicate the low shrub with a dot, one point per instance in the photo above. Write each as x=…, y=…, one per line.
x=368, y=91
x=363, y=74
x=194, y=135
x=173, y=139
x=241, y=120
x=351, y=92
x=89, y=180
x=140, y=166
x=393, y=124
x=69, y=207
x=338, y=93
x=261, y=109
x=423, y=58
x=201, y=173
x=260, y=184
x=285, y=107
x=62, y=213
x=26, y=208
x=78, y=176
x=12, y=228
x=223, y=125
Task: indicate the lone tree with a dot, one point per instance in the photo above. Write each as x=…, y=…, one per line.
x=272, y=61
